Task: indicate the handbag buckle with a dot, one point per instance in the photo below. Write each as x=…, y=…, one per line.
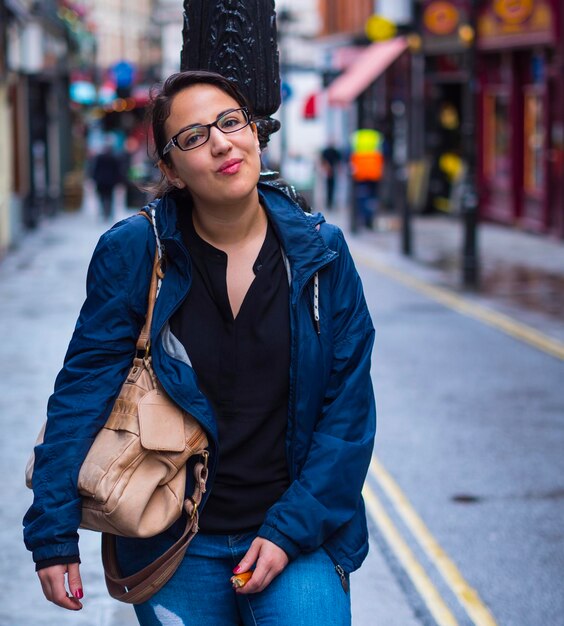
x=194, y=511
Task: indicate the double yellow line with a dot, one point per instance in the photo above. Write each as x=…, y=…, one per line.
x=502, y=322
x=465, y=594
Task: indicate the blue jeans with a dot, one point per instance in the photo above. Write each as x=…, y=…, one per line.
x=307, y=593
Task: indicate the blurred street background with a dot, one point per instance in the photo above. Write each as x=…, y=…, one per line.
x=432, y=132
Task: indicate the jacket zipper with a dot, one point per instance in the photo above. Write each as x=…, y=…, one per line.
x=343, y=576
x=340, y=571
x=294, y=364
x=338, y=567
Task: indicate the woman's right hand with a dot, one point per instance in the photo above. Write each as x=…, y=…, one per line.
x=53, y=584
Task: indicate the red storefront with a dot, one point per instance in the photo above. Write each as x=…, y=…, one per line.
x=521, y=113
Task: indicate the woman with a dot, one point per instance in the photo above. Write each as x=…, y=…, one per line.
x=261, y=332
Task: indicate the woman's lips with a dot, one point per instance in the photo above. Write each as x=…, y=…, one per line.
x=230, y=167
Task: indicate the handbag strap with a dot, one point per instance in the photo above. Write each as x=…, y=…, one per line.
x=144, y=340
x=140, y=586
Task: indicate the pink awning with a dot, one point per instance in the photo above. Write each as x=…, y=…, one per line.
x=370, y=64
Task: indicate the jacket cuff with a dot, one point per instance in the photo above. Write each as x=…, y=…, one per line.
x=56, y=551
x=61, y=560
x=291, y=549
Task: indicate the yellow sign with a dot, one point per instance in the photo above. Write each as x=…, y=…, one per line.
x=513, y=11
x=506, y=18
x=378, y=28
x=441, y=18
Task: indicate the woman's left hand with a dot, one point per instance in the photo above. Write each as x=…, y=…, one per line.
x=270, y=560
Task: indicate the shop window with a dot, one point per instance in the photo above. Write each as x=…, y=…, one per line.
x=497, y=136
x=534, y=133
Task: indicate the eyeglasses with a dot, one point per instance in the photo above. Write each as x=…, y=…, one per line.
x=197, y=135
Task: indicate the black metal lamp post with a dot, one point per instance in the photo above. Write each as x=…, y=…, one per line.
x=238, y=40
x=400, y=160
x=470, y=202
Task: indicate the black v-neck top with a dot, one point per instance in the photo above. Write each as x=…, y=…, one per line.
x=242, y=366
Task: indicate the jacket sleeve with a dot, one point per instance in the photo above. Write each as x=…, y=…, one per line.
x=96, y=363
x=326, y=493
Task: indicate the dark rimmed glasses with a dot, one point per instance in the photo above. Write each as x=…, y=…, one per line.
x=197, y=135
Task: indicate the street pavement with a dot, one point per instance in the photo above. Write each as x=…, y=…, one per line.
x=471, y=420
x=471, y=429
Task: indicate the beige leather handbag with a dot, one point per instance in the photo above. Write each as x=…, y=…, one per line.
x=133, y=479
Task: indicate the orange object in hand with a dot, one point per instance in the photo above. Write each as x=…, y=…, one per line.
x=240, y=580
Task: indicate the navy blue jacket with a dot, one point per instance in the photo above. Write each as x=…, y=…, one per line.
x=331, y=413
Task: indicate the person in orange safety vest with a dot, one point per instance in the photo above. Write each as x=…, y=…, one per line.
x=367, y=167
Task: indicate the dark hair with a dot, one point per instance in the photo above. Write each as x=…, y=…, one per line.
x=162, y=96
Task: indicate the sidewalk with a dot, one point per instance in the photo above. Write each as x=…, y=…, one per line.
x=521, y=274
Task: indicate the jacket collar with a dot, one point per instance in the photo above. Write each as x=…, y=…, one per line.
x=297, y=231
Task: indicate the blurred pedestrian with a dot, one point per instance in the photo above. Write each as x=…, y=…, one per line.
x=331, y=158
x=367, y=167
x=107, y=172
x=262, y=333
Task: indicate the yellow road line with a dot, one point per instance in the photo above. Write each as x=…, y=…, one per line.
x=461, y=305
x=466, y=595
x=414, y=570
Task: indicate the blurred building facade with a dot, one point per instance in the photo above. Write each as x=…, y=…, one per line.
x=366, y=71
x=168, y=17
x=122, y=30
x=482, y=82
x=343, y=17
x=414, y=73
x=126, y=60
x=36, y=49
x=295, y=147
x=518, y=74
x=520, y=49
x=63, y=62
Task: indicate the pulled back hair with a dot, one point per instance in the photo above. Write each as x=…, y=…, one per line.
x=162, y=96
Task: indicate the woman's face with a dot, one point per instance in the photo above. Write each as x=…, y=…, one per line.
x=223, y=170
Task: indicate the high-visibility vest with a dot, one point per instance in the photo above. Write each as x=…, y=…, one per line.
x=366, y=140
x=367, y=160
x=367, y=166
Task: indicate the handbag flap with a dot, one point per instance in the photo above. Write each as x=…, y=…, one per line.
x=161, y=423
